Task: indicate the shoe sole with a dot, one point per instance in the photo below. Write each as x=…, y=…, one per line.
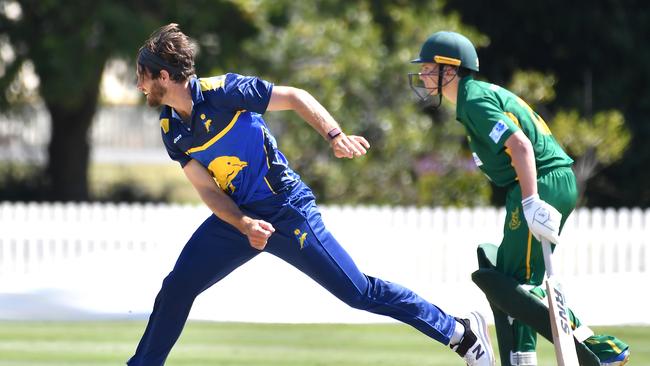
x=622, y=362
x=627, y=358
x=484, y=335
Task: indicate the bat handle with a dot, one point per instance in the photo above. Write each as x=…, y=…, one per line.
x=548, y=262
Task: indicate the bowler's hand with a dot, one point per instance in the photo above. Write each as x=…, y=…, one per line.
x=258, y=233
x=345, y=146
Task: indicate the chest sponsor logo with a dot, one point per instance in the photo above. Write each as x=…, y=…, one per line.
x=477, y=160
x=177, y=138
x=225, y=169
x=497, y=131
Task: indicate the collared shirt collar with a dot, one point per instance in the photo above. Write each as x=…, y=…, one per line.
x=462, y=95
x=197, y=97
x=174, y=114
x=195, y=90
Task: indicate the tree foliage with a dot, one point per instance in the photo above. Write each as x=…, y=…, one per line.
x=354, y=57
x=69, y=42
x=594, y=143
x=594, y=51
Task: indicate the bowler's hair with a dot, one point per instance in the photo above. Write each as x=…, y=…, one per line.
x=172, y=51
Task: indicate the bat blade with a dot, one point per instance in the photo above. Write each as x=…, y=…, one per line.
x=565, y=349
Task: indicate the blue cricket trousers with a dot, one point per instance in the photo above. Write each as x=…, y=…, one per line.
x=217, y=248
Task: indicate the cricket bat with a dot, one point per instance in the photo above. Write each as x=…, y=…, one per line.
x=565, y=349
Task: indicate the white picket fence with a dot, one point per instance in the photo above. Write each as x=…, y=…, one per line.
x=80, y=261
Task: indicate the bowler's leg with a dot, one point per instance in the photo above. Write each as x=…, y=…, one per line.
x=214, y=251
x=302, y=240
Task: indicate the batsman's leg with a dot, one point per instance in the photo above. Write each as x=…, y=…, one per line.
x=529, y=306
x=212, y=252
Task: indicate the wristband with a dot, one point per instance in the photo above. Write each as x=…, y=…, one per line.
x=529, y=199
x=334, y=132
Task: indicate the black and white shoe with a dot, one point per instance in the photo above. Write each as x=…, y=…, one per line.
x=475, y=347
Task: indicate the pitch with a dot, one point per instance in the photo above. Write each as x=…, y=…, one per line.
x=237, y=344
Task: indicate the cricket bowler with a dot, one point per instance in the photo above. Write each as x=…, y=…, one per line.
x=512, y=145
x=213, y=127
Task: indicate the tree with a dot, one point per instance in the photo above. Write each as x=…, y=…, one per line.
x=598, y=64
x=69, y=42
x=594, y=143
x=354, y=57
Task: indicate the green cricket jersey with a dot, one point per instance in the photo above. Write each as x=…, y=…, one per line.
x=490, y=115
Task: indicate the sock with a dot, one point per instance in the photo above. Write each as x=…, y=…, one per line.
x=459, y=332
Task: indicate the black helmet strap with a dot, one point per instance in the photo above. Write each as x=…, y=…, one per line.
x=441, y=71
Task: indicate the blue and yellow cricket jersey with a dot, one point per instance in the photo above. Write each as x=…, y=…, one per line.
x=228, y=136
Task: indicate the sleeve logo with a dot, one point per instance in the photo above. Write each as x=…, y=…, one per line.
x=497, y=131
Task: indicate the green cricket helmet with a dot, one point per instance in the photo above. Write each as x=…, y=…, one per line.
x=443, y=48
x=449, y=48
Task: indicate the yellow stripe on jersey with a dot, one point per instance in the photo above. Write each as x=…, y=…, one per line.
x=212, y=83
x=164, y=124
x=614, y=346
x=269, y=184
x=217, y=137
x=539, y=121
x=446, y=60
x=513, y=118
x=508, y=151
x=528, y=250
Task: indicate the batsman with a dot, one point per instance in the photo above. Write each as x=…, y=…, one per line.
x=512, y=145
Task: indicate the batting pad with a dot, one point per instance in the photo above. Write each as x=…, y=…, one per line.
x=508, y=296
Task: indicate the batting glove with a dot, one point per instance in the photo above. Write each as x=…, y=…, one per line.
x=543, y=219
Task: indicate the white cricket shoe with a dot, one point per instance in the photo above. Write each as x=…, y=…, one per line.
x=475, y=347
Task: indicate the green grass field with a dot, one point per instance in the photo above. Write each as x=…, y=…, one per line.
x=206, y=344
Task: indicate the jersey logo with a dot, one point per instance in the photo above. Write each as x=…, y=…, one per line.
x=497, y=131
x=207, y=123
x=515, y=220
x=301, y=237
x=225, y=169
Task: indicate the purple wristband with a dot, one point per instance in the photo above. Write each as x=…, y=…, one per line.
x=334, y=132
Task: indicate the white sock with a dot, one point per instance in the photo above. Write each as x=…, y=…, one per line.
x=459, y=332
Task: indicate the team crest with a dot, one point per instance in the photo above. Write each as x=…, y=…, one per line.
x=301, y=237
x=515, y=220
x=206, y=123
x=225, y=169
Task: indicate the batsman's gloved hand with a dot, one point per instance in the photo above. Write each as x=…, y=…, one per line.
x=543, y=219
